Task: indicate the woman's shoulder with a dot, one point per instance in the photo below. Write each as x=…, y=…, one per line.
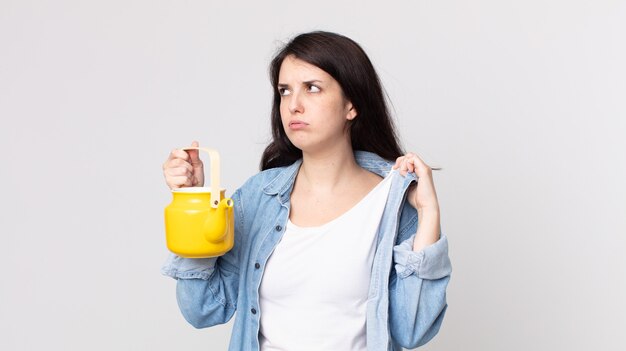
x=259, y=179
x=268, y=180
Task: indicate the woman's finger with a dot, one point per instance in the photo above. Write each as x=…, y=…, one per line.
x=398, y=162
x=178, y=163
x=181, y=154
x=411, y=162
x=403, y=166
x=179, y=171
x=177, y=182
x=408, y=161
x=194, y=155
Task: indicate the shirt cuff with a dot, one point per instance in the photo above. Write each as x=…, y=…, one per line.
x=432, y=262
x=188, y=268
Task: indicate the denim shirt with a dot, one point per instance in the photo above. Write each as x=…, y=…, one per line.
x=407, y=289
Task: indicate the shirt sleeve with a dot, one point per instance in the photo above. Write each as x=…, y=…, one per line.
x=432, y=262
x=417, y=291
x=188, y=268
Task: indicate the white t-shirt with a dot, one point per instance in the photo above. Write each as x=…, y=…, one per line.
x=313, y=295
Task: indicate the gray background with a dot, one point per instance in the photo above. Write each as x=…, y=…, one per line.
x=522, y=103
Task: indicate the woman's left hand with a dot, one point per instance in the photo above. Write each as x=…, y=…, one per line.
x=422, y=197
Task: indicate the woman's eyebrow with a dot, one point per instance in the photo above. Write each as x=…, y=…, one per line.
x=312, y=81
x=307, y=82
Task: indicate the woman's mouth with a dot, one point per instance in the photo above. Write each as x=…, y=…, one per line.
x=296, y=125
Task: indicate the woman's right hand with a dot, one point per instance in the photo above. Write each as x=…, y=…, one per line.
x=184, y=168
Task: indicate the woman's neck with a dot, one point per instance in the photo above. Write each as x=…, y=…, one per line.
x=329, y=169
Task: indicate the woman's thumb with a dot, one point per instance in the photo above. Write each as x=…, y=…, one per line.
x=194, y=155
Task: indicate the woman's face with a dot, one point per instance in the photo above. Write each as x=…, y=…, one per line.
x=313, y=108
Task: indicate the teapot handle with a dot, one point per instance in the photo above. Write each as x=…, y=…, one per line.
x=215, y=172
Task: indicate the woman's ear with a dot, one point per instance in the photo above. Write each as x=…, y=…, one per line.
x=351, y=112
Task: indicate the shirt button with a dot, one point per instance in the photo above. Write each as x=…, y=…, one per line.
x=253, y=311
x=279, y=228
x=257, y=265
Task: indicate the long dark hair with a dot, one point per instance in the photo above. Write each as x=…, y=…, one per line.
x=372, y=129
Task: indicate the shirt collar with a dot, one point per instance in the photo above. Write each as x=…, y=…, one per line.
x=283, y=182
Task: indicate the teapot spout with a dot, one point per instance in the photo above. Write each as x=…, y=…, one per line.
x=217, y=224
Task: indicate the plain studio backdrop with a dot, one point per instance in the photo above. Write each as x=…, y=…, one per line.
x=522, y=102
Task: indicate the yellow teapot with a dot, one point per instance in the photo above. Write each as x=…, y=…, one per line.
x=199, y=222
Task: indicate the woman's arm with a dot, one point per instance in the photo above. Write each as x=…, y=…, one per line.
x=429, y=229
x=207, y=288
x=423, y=198
x=417, y=288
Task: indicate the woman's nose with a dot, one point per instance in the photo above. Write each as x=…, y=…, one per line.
x=295, y=103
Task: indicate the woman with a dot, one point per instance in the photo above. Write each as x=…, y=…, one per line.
x=328, y=254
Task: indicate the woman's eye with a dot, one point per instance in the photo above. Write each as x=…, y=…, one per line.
x=283, y=91
x=314, y=89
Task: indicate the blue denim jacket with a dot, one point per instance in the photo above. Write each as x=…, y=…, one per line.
x=405, y=307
